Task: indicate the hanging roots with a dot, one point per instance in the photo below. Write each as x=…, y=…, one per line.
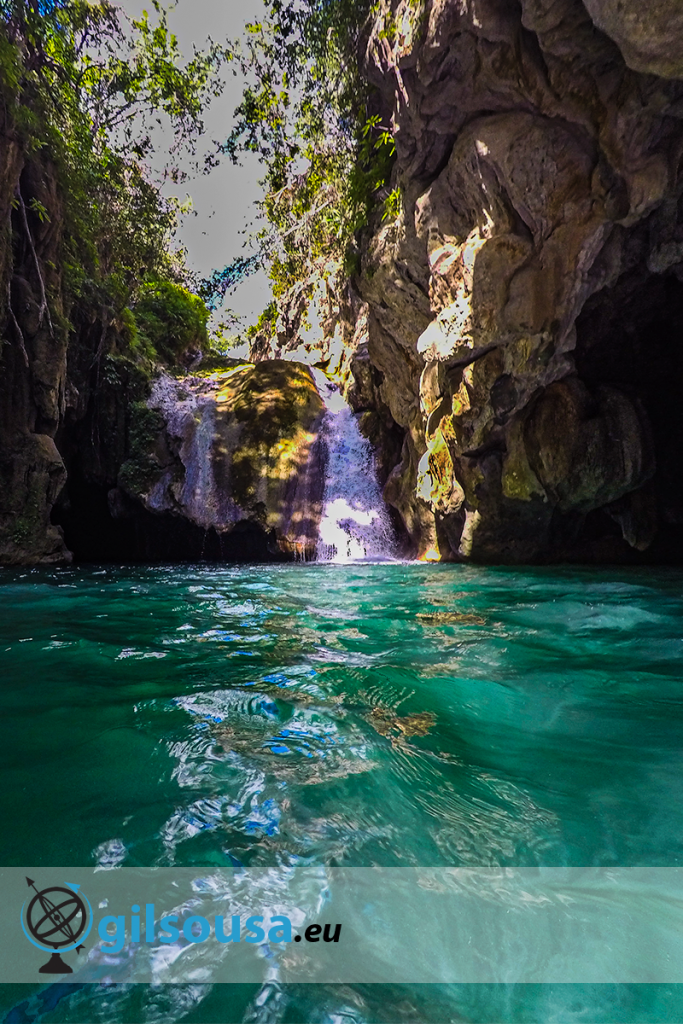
x=17, y=328
x=44, y=311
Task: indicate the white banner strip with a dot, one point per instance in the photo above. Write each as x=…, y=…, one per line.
x=342, y=925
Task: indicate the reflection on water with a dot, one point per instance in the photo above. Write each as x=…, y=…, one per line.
x=356, y=715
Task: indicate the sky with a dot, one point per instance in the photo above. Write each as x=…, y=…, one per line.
x=222, y=200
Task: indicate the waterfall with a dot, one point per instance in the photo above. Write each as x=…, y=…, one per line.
x=354, y=525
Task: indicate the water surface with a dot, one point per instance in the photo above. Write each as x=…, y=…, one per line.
x=395, y=714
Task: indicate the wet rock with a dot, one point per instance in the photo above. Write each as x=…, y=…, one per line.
x=31, y=476
x=239, y=446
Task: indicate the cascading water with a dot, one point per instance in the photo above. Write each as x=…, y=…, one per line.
x=355, y=525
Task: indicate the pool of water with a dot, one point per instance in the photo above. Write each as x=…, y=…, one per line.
x=393, y=714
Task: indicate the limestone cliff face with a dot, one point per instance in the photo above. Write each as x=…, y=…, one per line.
x=33, y=362
x=237, y=453
x=524, y=311
x=516, y=328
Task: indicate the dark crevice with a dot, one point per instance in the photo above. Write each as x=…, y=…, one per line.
x=93, y=534
x=630, y=337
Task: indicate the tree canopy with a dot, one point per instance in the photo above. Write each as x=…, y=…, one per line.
x=87, y=87
x=308, y=112
x=84, y=88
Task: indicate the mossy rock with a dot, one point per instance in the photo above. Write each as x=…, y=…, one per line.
x=214, y=362
x=275, y=399
x=141, y=470
x=31, y=476
x=277, y=406
x=239, y=445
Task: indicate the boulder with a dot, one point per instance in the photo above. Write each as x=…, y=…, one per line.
x=234, y=447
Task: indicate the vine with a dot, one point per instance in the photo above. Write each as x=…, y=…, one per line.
x=44, y=309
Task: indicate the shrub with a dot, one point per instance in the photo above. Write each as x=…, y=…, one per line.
x=172, y=319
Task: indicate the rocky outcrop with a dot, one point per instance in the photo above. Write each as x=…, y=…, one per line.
x=230, y=452
x=512, y=338
x=34, y=356
x=540, y=173
x=650, y=36
x=521, y=311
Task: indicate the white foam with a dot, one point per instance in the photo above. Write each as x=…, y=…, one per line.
x=355, y=524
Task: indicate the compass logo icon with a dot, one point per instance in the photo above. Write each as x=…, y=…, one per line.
x=57, y=919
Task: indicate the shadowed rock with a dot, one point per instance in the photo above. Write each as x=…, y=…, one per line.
x=239, y=446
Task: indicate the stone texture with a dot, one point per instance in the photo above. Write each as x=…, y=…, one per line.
x=650, y=36
x=31, y=476
x=519, y=412
x=538, y=169
x=233, y=447
x=34, y=356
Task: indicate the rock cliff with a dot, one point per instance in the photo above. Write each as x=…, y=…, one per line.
x=33, y=377
x=105, y=455
x=531, y=289
x=511, y=340
x=517, y=324
x=237, y=454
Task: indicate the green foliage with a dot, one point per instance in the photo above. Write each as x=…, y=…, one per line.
x=131, y=340
x=123, y=373
x=306, y=111
x=84, y=59
x=392, y=205
x=265, y=323
x=84, y=87
x=171, y=319
x=40, y=211
x=141, y=470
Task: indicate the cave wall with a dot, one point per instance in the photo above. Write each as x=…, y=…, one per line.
x=539, y=160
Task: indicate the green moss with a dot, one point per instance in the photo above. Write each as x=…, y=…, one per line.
x=274, y=400
x=29, y=525
x=24, y=528
x=141, y=469
x=215, y=362
x=276, y=404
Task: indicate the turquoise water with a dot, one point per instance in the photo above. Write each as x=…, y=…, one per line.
x=352, y=715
